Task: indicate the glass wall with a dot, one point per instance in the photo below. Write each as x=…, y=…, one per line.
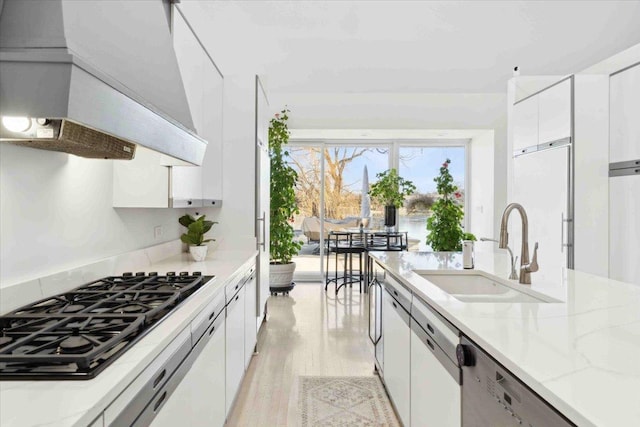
x=332, y=186
x=421, y=165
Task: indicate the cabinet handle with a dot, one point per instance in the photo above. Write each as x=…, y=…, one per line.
x=237, y=297
x=159, y=402
x=159, y=378
x=211, y=315
x=212, y=329
x=430, y=329
x=562, y=232
x=430, y=344
x=394, y=304
x=264, y=227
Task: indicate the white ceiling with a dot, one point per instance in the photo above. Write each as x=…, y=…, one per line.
x=410, y=46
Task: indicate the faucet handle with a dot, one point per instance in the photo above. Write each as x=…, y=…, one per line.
x=533, y=265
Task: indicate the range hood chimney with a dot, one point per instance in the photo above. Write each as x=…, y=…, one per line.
x=93, y=78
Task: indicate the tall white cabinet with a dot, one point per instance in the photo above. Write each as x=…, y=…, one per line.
x=624, y=171
x=560, y=174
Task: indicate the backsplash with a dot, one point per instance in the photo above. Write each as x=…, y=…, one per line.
x=19, y=294
x=56, y=214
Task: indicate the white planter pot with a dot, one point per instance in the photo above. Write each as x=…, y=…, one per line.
x=281, y=275
x=198, y=253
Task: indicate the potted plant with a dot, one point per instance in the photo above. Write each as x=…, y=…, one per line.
x=390, y=191
x=282, y=207
x=194, y=237
x=445, y=224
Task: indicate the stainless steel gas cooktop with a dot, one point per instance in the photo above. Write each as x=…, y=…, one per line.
x=75, y=335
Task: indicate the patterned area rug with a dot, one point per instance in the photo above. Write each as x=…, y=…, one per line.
x=343, y=401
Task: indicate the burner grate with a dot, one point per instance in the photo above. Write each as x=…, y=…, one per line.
x=76, y=334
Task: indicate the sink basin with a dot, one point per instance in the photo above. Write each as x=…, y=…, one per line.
x=473, y=287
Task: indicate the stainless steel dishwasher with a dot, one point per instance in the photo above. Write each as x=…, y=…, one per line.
x=492, y=397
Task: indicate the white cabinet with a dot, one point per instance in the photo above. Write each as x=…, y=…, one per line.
x=624, y=228
x=534, y=175
x=199, y=398
x=525, y=123
x=154, y=180
x=624, y=112
x=397, y=376
x=544, y=117
x=234, y=346
x=435, y=394
x=212, y=132
x=250, y=316
x=207, y=387
x=554, y=116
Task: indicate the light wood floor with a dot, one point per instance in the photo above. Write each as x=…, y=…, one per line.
x=308, y=333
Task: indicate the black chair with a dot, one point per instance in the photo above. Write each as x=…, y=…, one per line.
x=346, y=244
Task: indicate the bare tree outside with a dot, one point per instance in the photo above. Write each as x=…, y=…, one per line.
x=342, y=198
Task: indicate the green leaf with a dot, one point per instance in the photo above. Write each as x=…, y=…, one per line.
x=185, y=220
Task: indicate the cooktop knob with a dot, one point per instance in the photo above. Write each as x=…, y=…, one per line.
x=153, y=273
x=184, y=273
x=127, y=274
x=465, y=355
x=197, y=273
x=140, y=273
x=171, y=273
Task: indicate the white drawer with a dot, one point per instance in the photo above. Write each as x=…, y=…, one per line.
x=399, y=292
x=173, y=354
x=203, y=320
x=445, y=335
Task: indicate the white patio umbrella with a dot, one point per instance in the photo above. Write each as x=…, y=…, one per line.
x=365, y=202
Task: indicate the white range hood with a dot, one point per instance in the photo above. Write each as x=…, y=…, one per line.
x=94, y=78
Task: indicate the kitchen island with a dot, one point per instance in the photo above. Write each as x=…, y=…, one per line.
x=577, y=353
x=82, y=403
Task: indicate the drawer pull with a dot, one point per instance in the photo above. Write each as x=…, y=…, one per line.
x=430, y=344
x=211, y=315
x=212, y=329
x=394, y=304
x=159, y=378
x=160, y=401
x=237, y=297
x=430, y=328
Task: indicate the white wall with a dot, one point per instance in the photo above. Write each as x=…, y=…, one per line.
x=486, y=111
x=481, y=201
x=56, y=214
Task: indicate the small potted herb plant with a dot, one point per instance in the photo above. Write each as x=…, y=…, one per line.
x=445, y=224
x=283, y=206
x=194, y=237
x=390, y=191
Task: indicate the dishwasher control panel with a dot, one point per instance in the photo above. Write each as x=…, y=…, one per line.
x=491, y=396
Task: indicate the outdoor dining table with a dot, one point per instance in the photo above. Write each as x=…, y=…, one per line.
x=360, y=241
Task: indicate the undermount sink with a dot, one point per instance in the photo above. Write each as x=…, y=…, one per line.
x=474, y=287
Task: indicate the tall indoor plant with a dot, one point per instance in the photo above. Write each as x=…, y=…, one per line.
x=390, y=191
x=445, y=224
x=283, y=206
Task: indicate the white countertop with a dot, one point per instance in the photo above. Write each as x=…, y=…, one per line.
x=78, y=403
x=582, y=355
